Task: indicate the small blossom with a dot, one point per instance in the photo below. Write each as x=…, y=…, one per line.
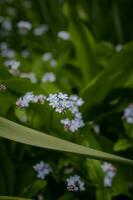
x=58, y=102
x=49, y=77
x=7, y=25
x=75, y=184
x=42, y=169
x=8, y=53
x=64, y=35
x=61, y=103
x=128, y=114
x=119, y=47
x=2, y=87
x=40, y=98
x=40, y=30
x=24, y=119
x=72, y=125
x=47, y=56
x=107, y=181
x=31, y=76
x=110, y=172
x=24, y=27
x=53, y=63
x=28, y=98
x=3, y=46
x=13, y=66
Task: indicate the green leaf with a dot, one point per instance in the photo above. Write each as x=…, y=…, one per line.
x=122, y=145
x=95, y=172
x=7, y=167
x=12, y=198
x=84, y=44
x=103, y=194
x=8, y=100
x=19, y=85
x=19, y=133
x=118, y=74
x=34, y=188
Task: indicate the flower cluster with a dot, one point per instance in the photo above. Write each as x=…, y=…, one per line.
x=6, y=25
x=48, y=57
x=6, y=52
x=28, y=98
x=13, y=66
x=49, y=77
x=128, y=114
x=64, y=35
x=110, y=172
x=42, y=169
x=61, y=103
x=2, y=87
x=75, y=184
x=24, y=27
x=40, y=30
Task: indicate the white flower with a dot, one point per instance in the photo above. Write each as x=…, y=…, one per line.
x=96, y=129
x=47, y=56
x=2, y=87
x=24, y=27
x=49, y=77
x=3, y=45
x=106, y=167
x=40, y=30
x=128, y=114
x=75, y=184
x=72, y=125
x=76, y=100
x=61, y=103
x=13, y=66
x=110, y=172
x=107, y=181
x=58, y=101
x=119, y=47
x=42, y=169
x=62, y=96
x=31, y=76
x=7, y=25
x=8, y=53
x=64, y=35
x=53, y=63
x=28, y=98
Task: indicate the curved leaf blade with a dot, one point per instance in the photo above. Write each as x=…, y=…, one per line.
x=22, y=134
x=119, y=74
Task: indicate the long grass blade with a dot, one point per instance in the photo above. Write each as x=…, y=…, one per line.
x=22, y=134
